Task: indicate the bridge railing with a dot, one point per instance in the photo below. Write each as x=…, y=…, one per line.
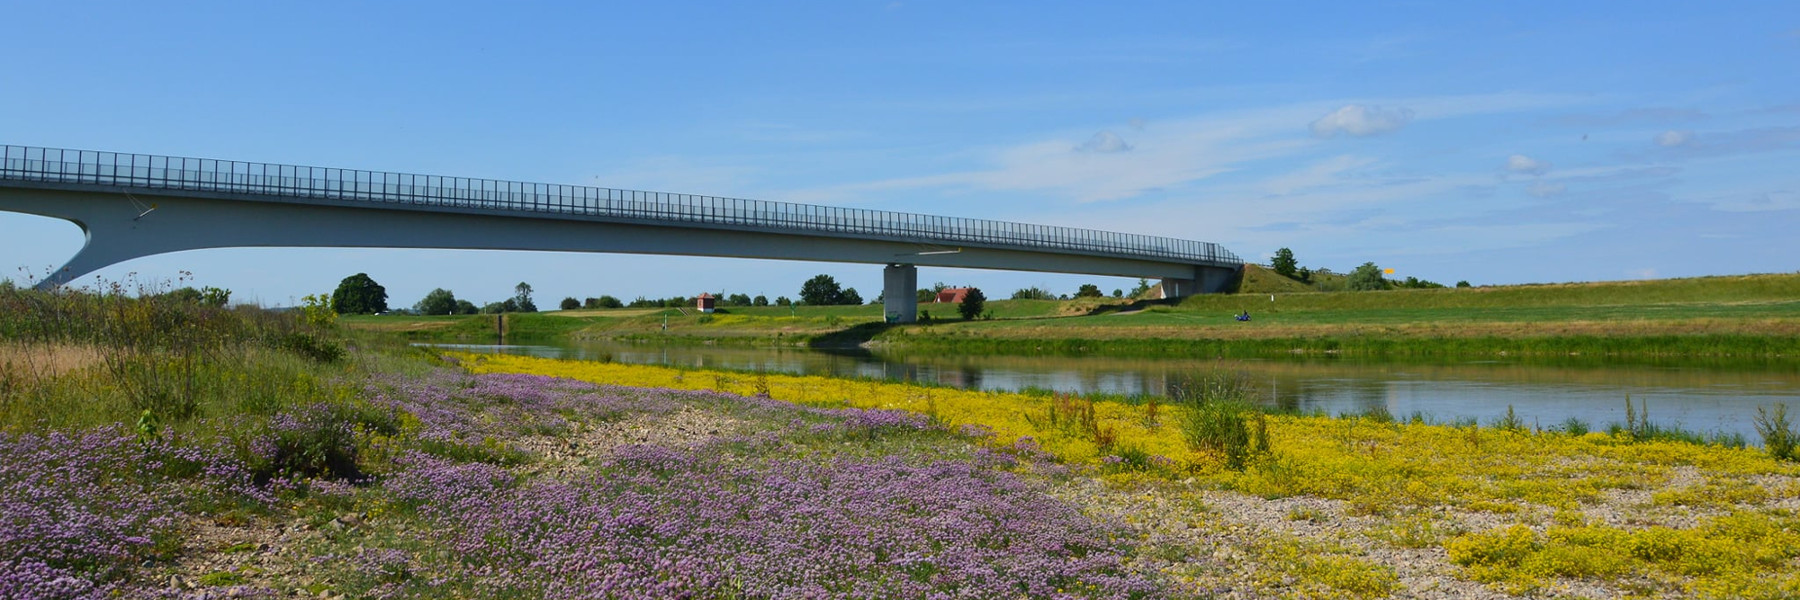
x=26, y=163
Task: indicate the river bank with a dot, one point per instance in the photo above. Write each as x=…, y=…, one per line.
x=1752, y=316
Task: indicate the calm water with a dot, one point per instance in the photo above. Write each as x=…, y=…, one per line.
x=1700, y=396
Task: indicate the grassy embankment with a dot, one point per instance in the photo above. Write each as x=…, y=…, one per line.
x=1736, y=316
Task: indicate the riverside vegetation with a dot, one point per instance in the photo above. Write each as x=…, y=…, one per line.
x=154, y=446
x=1750, y=316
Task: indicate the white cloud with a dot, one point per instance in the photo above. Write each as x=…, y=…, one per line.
x=1673, y=138
x=1105, y=141
x=1519, y=163
x=1644, y=273
x=1540, y=189
x=1360, y=120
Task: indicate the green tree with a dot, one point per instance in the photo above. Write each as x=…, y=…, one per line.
x=437, y=302
x=1284, y=262
x=783, y=301
x=759, y=300
x=1463, y=284
x=1366, y=278
x=1305, y=275
x=1033, y=293
x=737, y=300
x=359, y=295
x=1143, y=286
x=850, y=297
x=821, y=290
x=1088, y=290
x=972, y=304
x=521, y=300
x=569, y=303
x=465, y=307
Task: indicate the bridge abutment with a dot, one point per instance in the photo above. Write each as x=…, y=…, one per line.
x=899, y=293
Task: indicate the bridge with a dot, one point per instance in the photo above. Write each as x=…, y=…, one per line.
x=135, y=205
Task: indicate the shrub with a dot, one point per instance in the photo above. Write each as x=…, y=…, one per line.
x=1219, y=418
x=1777, y=432
x=972, y=304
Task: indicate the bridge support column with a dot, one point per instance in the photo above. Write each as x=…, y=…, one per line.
x=900, y=293
x=1207, y=280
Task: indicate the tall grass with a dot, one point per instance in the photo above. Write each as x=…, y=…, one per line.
x=1221, y=417
x=78, y=359
x=1778, y=434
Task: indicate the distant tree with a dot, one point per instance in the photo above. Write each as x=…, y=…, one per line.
x=821, y=290
x=522, y=298
x=1088, y=290
x=1463, y=284
x=465, y=307
x=783, y=301
x=1143, y=286
x=973, y=304
x=590, y=303
x=1033, y=293
x=1284, y=262
x=1416, y=284
x=437, y=302
x=494, y=308
x=569, y=303
x=359, y=295
x=737, y=300
x=610, y=302
x=850, y=297
x=1366, y=278
x=759, y=300
x=1118, y=293
x=1305, y=275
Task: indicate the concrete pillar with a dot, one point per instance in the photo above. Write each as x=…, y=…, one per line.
x=900, y=293
x=1207, y=280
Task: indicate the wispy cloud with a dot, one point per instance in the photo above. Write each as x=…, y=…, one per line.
x=1105, y=142
x=1525, y=165
x=1357, y=120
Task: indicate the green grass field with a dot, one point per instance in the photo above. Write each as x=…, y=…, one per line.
x=1755, y=315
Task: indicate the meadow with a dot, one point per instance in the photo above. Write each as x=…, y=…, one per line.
x=259, y=454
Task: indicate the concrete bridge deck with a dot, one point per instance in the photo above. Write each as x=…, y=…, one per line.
x=134, y=205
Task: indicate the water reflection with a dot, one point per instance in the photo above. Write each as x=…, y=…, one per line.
x=1704, y=396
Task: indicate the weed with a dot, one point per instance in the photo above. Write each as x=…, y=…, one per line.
x=1218, y=415
x=1574, y=426
x=1511, y=422
x=1778, y=435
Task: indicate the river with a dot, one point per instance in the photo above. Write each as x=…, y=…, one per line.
x=1697, y=395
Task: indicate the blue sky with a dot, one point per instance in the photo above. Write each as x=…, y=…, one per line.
x=1488, y=142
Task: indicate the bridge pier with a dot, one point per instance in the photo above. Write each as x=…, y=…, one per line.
x=1207, y=280
x=900, y=293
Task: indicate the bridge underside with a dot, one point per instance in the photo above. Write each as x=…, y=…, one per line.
x=117, y=229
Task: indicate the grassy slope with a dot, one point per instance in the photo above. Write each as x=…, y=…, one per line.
x=1727, y=315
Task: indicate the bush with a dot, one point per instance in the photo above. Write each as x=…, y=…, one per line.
x=1777, y=432
x=569, y=303
x=972, y=304
x=1367, y=278
x=1220, y=418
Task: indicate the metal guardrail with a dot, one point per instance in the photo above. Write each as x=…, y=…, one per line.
x=144, y=171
